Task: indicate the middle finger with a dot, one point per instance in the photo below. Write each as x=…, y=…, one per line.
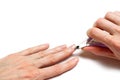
x=47, y=52
x=106, y=25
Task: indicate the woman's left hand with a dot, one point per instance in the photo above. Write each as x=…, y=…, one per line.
x=37, y=63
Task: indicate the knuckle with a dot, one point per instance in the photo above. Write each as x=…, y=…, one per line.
x=57, y=69
x=57, y=49
x=41, y=54
x=41, y=64
x=52, y=59
x=107, y=39
x=117, y=29
x=30, y=74
x=29, y=50
x=108, y=14
x=66, y=53
x=112, y=42
x=116, y=44
x=99, y=21
x=91, y=32
x=13, y=56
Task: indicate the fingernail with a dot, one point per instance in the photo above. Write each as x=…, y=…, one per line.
x=73, y=46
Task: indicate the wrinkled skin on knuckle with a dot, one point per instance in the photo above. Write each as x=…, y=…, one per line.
x=57, y=69
x=116, y=44
x=117, y=30
x=99, y=21
x=29, y=74
x=29, y=50
x=107, y=39
x=108, y=14
x=11, y=56
x=52, y=59
x=111, y=42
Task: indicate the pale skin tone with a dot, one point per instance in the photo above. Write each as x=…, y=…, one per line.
x=41, y=63
x=37, y=63
x=107, y=31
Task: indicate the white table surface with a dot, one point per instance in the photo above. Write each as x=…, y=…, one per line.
x=26, y=23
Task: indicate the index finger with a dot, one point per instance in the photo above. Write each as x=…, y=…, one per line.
x=99, y=35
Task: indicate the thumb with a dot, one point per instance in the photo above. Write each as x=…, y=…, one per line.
x=100, y=51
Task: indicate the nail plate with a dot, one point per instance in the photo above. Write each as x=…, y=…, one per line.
x=73, y=46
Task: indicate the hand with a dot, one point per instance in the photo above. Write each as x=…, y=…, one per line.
x=107, y=31
x=37, y=63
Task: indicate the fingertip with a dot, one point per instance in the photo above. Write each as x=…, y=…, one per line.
x=91, y=32
x=73, y=46
x=70, y=49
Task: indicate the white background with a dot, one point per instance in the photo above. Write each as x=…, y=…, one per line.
x=26, y=23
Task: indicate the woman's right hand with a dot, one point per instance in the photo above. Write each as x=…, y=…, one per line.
x=107, y=31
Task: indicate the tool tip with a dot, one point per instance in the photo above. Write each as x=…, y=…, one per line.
x=77, y=47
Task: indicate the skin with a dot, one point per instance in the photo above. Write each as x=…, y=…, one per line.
x=107, y=31
x=37, y=63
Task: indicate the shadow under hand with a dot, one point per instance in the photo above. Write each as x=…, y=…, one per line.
x=107, y=62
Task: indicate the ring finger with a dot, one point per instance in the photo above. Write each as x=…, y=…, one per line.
x=113, y=17
x=55, y=58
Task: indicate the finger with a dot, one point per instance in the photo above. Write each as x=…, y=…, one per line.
x=35, y=49
x=58, y=69
x=100, y=35
x=111, y=16
x=106, y=25
x=117, y=13
x=47, y=52
x=105, y=52
x=55, y=58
